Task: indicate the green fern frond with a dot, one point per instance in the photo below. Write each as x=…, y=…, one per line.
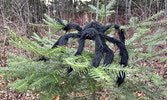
x=75, y=63
x=53, y=24
x=19, y=85
x=100, y=75
x=155, y=16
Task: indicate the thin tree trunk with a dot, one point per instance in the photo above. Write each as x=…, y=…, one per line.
x=157, y=10
x=49, y=15
x=129, y=8
x=97, y=10
x=150, y=7
x=94, y=95
x=145, y=7
x=72, y=8
x=166, y=6
x=28, y=11
x=117, y=11
x=105, y=11
x=91, y=13
x=126, y=9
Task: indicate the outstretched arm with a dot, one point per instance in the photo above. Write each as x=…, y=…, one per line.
x=69, y=25
x=109, y=55
x=60, y=21
x=121, y=32
x=64, y=39
x=61, y=42
x=72, y=26
x=124, y=57
x=80, y=47
x=98, y=51
x=105, y=28
x=123, y=52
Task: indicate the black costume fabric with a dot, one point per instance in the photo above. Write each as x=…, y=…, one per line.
x=95, y=31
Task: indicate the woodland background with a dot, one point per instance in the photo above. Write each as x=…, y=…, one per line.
x=22, y=15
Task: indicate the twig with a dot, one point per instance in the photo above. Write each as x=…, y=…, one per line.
x=94, y=95
x=164, y=72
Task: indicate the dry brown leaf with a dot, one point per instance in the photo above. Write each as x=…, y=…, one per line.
x=80, y=94
x=102, y=98
x=138, y=95
x=56, y=97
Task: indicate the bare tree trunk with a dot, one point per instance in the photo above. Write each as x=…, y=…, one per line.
x=126, y=9
x=157, y=10
x=145, y=6
x=60, y=11
x=150, y=7
x=72, y=9
x=166, y=6
x=129, y=8
x=49, y=15
x=94, y=95
x=105, y=12
x=116, y=15
x=28, y=13
x=91, y=13
x=97, y=10
x=145, y=10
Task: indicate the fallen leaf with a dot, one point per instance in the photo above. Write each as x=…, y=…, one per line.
x=56, y=97
x=80, y=94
